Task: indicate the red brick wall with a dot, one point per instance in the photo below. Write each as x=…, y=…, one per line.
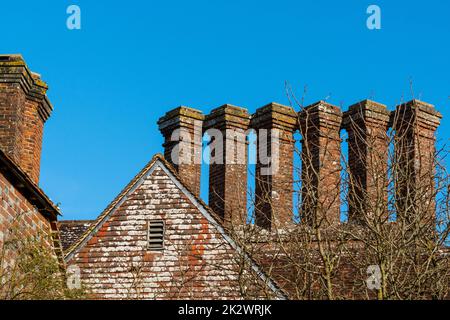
x=12, y=102
x=228, y=178
x=21, y=129
x=415, y=124
x=320, y=126
x=187, y=144
x=196, y=263
x=19, y=215
x=24, y=108
x=367, y=125
x=274, y=188
x=33, y=131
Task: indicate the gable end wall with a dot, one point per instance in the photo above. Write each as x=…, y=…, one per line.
x=197, y=262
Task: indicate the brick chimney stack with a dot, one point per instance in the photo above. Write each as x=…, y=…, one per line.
x=275, y=125
x=24, y=108
x=182, y=131
x=320, y=125
x=367, y=125
x=415, y=124
x=227, y=126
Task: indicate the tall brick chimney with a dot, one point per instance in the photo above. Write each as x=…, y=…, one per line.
x=182, y=131
x=415, y=124
x=367, y=125
x=275, y=125
x=24, y=108
x=320, y=125
x=227, y=126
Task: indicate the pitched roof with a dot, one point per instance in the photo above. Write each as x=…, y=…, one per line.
x=159, y=161
x=71, y=231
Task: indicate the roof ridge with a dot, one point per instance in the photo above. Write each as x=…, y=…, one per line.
x=124, y=191
x=217, y=222
x=76, y=221
x=111, y=205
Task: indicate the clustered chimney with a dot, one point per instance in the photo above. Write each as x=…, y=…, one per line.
x=275, y=125
x=182, y=131
x=320, y=125
x=24, y=108
x=227, y=127
x=415, y=124
x=367, y=124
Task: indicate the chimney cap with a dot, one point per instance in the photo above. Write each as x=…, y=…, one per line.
x=421, y=106
x=180, y=116
x=424, y=112
x=227, y=116
x=13, y=69
x=11, y=57
x=366, y=110
x=320, y=113
x=277, y=107
x=229, y=109
x=275, y=115
x=182, y=111
x=367, y=104
x=322, y=105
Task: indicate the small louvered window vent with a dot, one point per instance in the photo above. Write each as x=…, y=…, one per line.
x=156, y=235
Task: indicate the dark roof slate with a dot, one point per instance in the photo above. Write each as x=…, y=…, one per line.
x=71, y=230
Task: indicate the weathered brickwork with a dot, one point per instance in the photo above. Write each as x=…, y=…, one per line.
x=197, y=262
x=228, y=175
x=25, y=212
x=158, y=240
x=24, y=108
x=367, y=124
x=182, y=131
x=199, y=259
x=320, y=126
x=18, y=213
x=415, y=124
x=12, y=100
x=275, y=125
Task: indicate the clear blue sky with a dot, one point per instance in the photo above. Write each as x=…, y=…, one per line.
x=133, y=60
